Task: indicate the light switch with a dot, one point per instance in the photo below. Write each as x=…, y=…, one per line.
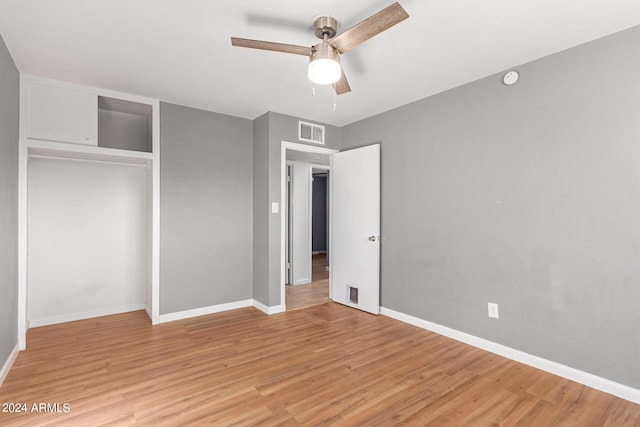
x=492, y=308
x=274, y=207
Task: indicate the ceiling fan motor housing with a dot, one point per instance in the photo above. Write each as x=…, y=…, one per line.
x=324, y=51
x=325, y=25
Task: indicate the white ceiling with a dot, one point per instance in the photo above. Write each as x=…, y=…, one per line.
x=179, y=50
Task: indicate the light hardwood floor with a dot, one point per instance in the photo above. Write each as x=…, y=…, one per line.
x=317, y=292
x=323, y=365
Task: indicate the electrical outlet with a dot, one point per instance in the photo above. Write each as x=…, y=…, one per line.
x=492, y=308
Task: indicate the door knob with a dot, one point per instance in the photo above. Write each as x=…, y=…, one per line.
x=372, y=238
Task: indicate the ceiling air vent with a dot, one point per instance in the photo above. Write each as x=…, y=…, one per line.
x=310, y=133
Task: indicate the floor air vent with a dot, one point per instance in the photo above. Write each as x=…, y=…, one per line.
x=353, y=294
x=310, y=133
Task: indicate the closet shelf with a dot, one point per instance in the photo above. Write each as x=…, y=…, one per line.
x=86, y=152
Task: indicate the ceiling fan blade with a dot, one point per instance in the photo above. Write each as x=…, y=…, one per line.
x=276, y=47
x=342, y=85
x=370, y=27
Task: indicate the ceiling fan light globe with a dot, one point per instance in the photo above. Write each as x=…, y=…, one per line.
x=324, y=71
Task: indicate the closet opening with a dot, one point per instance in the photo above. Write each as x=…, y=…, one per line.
x=89, y=230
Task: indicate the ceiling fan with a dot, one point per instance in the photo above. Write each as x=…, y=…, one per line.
x=324, y=57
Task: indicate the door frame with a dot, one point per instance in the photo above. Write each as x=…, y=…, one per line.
x=295, y=146
x=287, y=209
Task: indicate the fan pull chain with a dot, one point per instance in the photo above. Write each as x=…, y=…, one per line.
x=335, y=100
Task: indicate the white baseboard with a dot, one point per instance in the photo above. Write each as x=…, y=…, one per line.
x=620, y=390
x=9, y=363
x=220, y=308
x=268, y=309
x=186, y=314
x=148, y=310
x=34, y=323
x=305, y=281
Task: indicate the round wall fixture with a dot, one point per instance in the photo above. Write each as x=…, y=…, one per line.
x=510, y=78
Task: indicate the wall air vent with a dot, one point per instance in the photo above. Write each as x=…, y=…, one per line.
x=309, y=132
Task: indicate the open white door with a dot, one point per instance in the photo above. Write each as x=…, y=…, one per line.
x=355, y=228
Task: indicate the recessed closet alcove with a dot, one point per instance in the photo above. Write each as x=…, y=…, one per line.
x=89, y=217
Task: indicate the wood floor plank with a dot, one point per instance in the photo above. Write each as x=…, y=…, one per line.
x=314, y=293
x=322, y=365
x=621, y=413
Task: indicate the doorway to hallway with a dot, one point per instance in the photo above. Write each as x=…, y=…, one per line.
x=307, y=226
x=314, y=293
x=354, y=224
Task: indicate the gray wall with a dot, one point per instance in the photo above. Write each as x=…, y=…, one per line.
x=261, y=209
x=9, y=110
x=527, y=196
x=205, y=208
x=284, y=128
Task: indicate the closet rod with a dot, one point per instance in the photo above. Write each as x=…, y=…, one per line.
x=131, y=162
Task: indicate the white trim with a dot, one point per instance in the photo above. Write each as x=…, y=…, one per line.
x=332, y=177
x=41, y=147
x=268, y=310
x=620, y=390
x=285, y=145
x=286, y=209
x=23, y=156
x=148, y=310
x=155, y=213
x=305, y=281
x=186, y=314
x=9, y=363
x=84, y=315
x=310, y=222
x=218, y=308
x=37, y=154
